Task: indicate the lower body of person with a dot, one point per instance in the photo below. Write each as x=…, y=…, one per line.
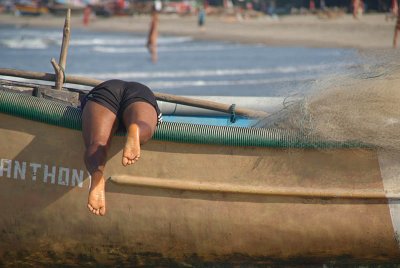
x=152, y=47
x=113, y=105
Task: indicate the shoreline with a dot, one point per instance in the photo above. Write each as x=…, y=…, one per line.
x=372, y=31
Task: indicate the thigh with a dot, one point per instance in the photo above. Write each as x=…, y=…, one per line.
x=98, y=124
x=142, y=113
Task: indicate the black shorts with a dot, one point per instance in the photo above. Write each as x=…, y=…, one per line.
x=117, y=95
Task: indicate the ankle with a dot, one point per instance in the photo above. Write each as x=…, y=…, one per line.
x=133, y=131
x=97, y=174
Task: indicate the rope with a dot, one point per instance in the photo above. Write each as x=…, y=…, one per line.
x=232, y=112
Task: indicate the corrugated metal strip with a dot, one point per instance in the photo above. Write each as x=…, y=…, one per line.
x=58, y=114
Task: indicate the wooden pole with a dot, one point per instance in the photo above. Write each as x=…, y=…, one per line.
x=210, y=187
x=60, y=67
x=65, y=43
x=59, y=74
x=210, y=105
x=49, y=77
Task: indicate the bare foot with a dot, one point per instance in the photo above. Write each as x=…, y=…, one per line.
x=97, y=196
x=131, y=152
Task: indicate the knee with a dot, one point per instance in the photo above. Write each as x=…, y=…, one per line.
x=146, y=132
x=96, y=150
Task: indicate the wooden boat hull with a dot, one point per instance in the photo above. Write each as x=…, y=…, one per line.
x=251, y=197
x=44, y=193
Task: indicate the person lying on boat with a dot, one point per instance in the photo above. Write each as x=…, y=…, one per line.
x=110, y=106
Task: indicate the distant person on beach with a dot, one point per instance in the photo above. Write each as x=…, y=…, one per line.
x=271, y=8
x=153, y=32
x=201, y=18
x=358, y=8
x=312, y=5
x=394, y=11
x=396, y=31
x=355, y=8
x=110, y=106
x=86, y=15
x=395, y=8
x=322, y=4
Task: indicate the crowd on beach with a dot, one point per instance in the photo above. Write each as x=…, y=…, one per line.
x=185, y=7
x=312, y=23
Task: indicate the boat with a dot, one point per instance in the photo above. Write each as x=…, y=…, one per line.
x=60, y=7
x=210, y=189
x=200, y=194
x=30, y=8
x=60, y=10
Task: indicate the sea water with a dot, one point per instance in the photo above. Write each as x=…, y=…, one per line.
x=185, y=66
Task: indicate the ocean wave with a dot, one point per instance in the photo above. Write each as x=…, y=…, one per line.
x=22, y=43
x=42, y=42
x=120, y=50
x=214, y=73
x=208, y=83
x=127, y=41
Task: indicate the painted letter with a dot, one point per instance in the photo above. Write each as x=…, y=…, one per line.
x=77, y=179
x=3, y=163
x=52, y=175
x=61, y=171
x=35, y=168
x=19, y=169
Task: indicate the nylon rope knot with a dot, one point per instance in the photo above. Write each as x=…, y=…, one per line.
x=233, y=113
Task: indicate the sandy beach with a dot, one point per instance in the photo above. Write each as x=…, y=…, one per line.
x=370, y=31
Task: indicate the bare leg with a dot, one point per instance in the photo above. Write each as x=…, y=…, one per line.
x=140, y=120
x=153, y=51
x=98, y=127
x=396, y=31
x=154, y=54
x=152, y=37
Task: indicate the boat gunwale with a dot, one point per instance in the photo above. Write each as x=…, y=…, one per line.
x=64, y=115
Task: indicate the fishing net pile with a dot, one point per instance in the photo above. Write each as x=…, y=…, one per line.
x=363, y=106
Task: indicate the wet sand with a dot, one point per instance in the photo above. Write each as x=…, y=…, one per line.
x=371, y=31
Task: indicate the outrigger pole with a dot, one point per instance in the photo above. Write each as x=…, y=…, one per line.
x=210, y=105
x=211, y=187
